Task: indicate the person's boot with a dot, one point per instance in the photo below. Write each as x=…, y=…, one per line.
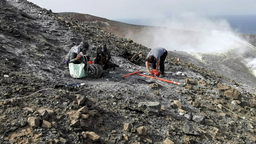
x=162, y=74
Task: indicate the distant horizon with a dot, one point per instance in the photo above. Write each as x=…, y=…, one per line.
x=245, y=24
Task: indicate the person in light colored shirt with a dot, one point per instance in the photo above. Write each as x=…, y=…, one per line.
x=157, y=57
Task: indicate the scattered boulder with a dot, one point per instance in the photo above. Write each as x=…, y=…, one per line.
x=74, y=115
x=176, y=104
x=28, y=109
x=201, y=82
x=62, y=140
x=91, y=135
x=149, y=140
x=232, y=93
x=125, y=137
x=127, y=127
x=34, y=122
x=198, y=118
x=196, y=104
x=150, y=108
x=80, y=100
x=75, y=123
x=46, y=124
x=222, y=87
x=188, y=116
x=189, y=129
x=84, y=134
x=168, y=141
x=191, y=81
x=47, y=114
x=182, y=112
x=154, y=85
x=142, y=130
x=253, y=138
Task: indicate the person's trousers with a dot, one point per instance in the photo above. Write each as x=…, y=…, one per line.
x=162, y=59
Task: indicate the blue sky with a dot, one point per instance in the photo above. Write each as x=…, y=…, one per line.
x=146, y=9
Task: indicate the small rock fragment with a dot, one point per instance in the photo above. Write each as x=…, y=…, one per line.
x=125, y=137
x=83, y=110
x=191, y=81
x=127, y=127
x=198, y=118
x=80, y=100
x=34, y=122
x=85, y=116
x=168, y=141
x=91, y=135
x=142, y=130
x=46, y=124
x=176, y=104
x=189, y=129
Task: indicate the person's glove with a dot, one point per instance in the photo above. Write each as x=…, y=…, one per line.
x=66, y=61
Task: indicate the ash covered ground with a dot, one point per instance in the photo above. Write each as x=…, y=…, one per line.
x=209, y=108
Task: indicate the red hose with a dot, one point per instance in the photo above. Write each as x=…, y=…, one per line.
x=164, y=80
x=130, y=74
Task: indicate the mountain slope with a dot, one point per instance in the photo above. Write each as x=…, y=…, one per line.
x=37, y=106
x=235, y=63
x=117, y=28
x=123, y=29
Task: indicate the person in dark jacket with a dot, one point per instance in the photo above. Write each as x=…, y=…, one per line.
x=157, y=57
x=77, y=53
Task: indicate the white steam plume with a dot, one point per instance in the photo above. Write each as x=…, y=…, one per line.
x=251, y=63
x=194, y=34
x=191, y=33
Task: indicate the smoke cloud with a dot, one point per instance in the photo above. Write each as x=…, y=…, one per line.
x=251, y=63
x=198, y=35
x=191, y=33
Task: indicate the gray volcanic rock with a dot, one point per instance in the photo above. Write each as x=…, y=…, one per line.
x=151, y=107
x=41, y=103
x=189, y=129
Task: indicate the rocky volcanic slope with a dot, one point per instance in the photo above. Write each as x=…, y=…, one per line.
x=210, y=108
x=231, y=64
x=117, y=28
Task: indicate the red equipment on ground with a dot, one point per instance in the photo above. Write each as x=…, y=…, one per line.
x=131, y=74
x=164, y=80
x=155, y=72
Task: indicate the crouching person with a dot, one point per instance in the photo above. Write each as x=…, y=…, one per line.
x=77, y=54
x=76, y=60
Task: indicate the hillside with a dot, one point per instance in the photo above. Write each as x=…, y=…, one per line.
x=123, y=29
x=117, y=28
x=41, y=103
x=221, y=63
